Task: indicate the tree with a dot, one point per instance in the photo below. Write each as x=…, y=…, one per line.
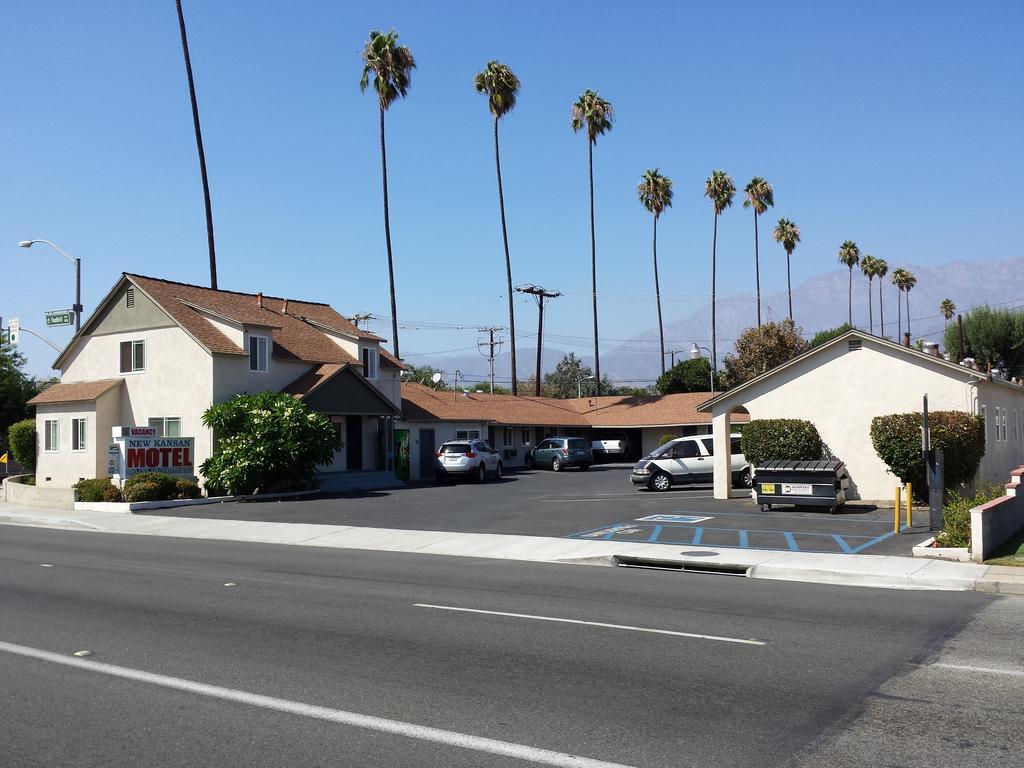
x=655, y=193
x=392, y=65
x=595, y=114
x=881, y=270
x=502, y=86
x=904, y=280
x=760, y=196
x=868, y=265
x=761, y=349
x=788, y=234
x=199, y=147
x=993, y=337
x=948, y=309
x=687, y=376
x=424, y=374
x=570, y=378
x=827, y=335
x=485, y=386
x=16, y=389
x=270, y=441
x=849, y=256
x=898, y=275
x=720, y=189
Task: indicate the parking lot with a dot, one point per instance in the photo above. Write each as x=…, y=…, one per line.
x=600, y=504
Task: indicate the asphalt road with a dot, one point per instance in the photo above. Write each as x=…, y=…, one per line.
x=587, y=505
x=739, y=673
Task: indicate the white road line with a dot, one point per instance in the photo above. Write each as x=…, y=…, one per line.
x=983, y=670
x=369, y=722
x=639, y=498
x=592, y=624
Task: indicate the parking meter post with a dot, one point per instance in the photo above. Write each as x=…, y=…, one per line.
x=936, y=484
x=896, y=511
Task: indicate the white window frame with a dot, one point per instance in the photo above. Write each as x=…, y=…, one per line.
x=135, y=344
x=262, y=360
x=371, y=363
x=79, y=434
x=161, y=425
x=508, y=437
x=984, y=421
x=51, y=446
x=467, y=434
x=1004, y=425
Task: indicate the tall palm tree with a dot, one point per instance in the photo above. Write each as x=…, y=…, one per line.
x=392, y=65
x=868, y=265
x=502, y=86
x=788, y=234
x=760, y=196
x=199, y=146
x=720, y=189
x=899, y=276
x=881, y=270
x=655, y=193
x=909, y=281
x=948, y=309
x=595, y=114
x=849, y=255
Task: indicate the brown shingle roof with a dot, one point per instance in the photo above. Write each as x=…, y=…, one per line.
x=75, y=392
x=312, y=379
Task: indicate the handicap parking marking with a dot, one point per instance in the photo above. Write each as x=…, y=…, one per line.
x=673, y=519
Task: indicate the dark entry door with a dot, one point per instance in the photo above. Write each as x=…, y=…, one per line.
x=427, y=449
x=353, y=442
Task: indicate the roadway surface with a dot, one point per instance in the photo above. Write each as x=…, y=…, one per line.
x=600, y=504
x=312, y=657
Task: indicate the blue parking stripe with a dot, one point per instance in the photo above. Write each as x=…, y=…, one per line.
x=698, y=534
x=842, y=544
x=744, y=542
x=791, y=542
x=655, y=534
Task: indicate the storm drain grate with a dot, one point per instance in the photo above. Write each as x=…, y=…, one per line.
x=719, y=569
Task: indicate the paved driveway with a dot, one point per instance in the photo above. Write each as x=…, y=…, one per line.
x=599, y=504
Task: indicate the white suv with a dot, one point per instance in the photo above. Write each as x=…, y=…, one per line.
x=687, y=460
x=474, y=459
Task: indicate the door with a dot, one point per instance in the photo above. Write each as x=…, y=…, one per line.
x=353, y=442
x=402, y=454
x=709, y=451
x=427, y=450
x=542, y=456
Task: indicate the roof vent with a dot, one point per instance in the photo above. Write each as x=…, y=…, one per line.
x=259, y=299
x=129, y=298
x=856, y=344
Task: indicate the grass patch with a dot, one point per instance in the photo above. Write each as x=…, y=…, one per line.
x=1011, y=553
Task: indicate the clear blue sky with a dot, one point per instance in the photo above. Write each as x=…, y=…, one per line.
x=897, y=125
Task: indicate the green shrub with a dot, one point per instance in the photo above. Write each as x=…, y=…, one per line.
x=112, y=493
x=186, y=489
x=666, y=438
x=93, y=489
x=21, y=436
x=150, y=486
x=827, y=335
x=897, y=441
x=956, y=516
x=763, y=440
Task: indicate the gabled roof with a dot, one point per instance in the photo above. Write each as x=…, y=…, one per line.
x=75, y=392
x=911, y=354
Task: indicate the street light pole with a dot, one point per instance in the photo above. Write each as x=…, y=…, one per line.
x=695, y=355
x=77, y=308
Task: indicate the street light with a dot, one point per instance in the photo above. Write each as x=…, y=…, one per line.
x=579, y=385
x=77, y=308
x=695, y=355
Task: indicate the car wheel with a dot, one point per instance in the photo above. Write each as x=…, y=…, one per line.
x=742, y=479
x=481, y=474
x=498, y=472
x=661, y=481
x=556, y=464
x=584, y=467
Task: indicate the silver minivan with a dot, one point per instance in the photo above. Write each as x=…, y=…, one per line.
x=687, y=460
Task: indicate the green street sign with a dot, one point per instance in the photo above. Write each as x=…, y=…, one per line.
x=59, y=317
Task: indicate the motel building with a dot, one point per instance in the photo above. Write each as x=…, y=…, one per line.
x=137, y=378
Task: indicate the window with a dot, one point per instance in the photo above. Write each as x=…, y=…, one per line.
x=467, y=434
x=370, y=363
x=709, y=445
x=525, y=436
x=78, y=435
x=1003, y=428
x=507, y=438
x=167, y=426
x=984, y=421
x=687, y=449
x=51, y=435
x=133, y=356
x=258, y=353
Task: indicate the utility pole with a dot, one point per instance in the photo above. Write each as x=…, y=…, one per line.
x=491, y=344
x=673, y=353
x=362, y=317
x=539, y=294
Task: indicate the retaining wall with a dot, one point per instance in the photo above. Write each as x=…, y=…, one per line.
x=996, y=521
x=16, y=492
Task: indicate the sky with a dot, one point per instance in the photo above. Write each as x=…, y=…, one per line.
x=897, y=125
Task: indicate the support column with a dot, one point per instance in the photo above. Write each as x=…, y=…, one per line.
x=721, y=428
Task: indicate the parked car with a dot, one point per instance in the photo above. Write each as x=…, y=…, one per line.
x=609, y=450
x=473, y=459
x=687, y=460
x=561, y=452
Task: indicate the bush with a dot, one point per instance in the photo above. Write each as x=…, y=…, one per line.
x=956, y=516
x=780, y=439
x=687, y=376
x=21, y=436
x=827, y=335
x=897, y=441
x=666, y=438
x=150, y=486
x=186, y=489
x=93, y=489
x=112, y=493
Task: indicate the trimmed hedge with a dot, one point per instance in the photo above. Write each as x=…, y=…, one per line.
x=93, y=489
x=150, y=486
x=781, y=439
x=897, y=441
x=21, y=436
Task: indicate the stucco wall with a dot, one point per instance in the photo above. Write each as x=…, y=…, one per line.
x=443, y=431
x=64, y=467
x=1004, y=447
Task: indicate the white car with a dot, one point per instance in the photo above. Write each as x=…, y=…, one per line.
x=474, y=459
x=687, y=460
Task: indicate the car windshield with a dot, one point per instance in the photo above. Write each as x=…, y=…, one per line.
x=578, y=443
x=661, y=450
x=455, y=448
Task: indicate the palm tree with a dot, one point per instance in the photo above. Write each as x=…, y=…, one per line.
x=787, y=233
x=596, y=114
x=759, y=196
x=898, y=278
x=655, y=193
x=502, y=86
x=849, y=255
x=867, y=266
x=881, y=270
x=720, y=190
x=909, y=281
x=392, y=65
x=199, y=146
x=948, y=309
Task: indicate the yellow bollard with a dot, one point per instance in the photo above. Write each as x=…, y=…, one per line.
x=896, y=512
x=910, y=496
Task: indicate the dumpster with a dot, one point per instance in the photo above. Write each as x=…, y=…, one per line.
x=801, y=483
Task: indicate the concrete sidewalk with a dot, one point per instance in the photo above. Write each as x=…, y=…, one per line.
x=849, y=570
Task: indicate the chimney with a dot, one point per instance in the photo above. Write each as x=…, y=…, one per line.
x=906, y=338
x=259, y=299
x=285, y=309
